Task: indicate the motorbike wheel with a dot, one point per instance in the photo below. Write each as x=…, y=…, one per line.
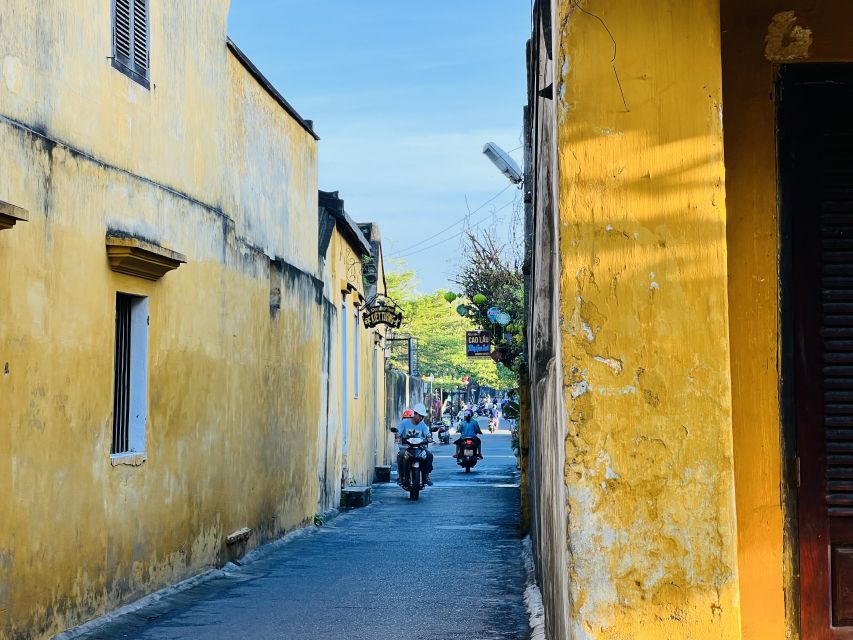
x=415, y=486
x=467, y=469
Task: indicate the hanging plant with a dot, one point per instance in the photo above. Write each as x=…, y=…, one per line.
x=450, y=296
x=479, y=299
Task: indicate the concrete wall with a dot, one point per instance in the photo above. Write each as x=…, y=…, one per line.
x=206, y=163
x=544, y=422
x=650, y=504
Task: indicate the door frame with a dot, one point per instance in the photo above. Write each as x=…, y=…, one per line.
x=787, y=74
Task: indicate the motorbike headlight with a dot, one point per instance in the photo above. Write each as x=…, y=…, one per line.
x=415, y=441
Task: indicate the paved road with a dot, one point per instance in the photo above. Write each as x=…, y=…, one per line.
x=446, y=567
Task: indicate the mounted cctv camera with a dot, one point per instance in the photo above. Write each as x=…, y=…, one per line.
x=503, y=162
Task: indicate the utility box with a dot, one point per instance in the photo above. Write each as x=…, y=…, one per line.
x=355, y=497
x=382, y=473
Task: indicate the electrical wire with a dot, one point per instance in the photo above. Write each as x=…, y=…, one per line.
x=453, y=237
x=399, y=252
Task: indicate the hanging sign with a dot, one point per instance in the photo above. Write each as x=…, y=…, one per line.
x=478, y=344
x=492, y=313
x=381, y=309
x=503, y=318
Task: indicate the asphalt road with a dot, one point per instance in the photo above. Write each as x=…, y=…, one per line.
x=445, y=567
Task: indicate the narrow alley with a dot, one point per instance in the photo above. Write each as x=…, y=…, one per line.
x=448, y=566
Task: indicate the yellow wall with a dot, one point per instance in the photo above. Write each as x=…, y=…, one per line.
x=205, y=163
x=756, y=37
x=651, y=508
x=343, y=277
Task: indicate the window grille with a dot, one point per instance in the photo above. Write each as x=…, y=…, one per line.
x=121, y=391
x=130, y=375
x=131, y=39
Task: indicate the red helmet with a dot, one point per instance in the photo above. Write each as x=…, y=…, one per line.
x=408, y=413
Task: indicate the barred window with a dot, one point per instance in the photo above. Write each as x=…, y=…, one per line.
x=130, y=375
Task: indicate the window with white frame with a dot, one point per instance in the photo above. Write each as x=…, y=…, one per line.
x=130, y=387
x=131, y=39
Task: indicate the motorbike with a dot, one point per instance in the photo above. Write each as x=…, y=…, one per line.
x=444, y=432
x=412, y=478
x=493, y=424
x=466, y=453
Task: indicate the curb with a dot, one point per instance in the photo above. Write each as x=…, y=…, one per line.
x=532, y=594
x=229, y=569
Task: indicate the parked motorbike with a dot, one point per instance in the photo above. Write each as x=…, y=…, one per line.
x=411, y=476
x=466, y=453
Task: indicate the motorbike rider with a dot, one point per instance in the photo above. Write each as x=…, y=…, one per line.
x=469, y=428
x=416, y=424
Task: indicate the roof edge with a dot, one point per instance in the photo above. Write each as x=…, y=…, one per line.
x=269, y=88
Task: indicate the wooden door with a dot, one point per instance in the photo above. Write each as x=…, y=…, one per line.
x=816, y=181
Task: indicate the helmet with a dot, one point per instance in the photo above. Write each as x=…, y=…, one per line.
x=420, y=409
x=408, y=413
x=467, y=413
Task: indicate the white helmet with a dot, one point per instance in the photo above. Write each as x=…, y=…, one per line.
x=420, y=409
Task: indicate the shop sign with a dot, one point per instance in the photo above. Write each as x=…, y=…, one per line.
x=382, y=310
x=478, y=344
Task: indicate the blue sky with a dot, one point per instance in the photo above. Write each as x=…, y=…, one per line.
x=403, y=96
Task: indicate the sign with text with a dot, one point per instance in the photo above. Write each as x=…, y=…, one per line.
x=382, y=310
x=478, y=344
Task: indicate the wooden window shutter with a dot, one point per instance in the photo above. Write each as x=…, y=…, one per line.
x=140, y=36
x=131, y=37
x=121, y=32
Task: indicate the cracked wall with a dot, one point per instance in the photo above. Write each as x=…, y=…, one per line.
x=651, y=511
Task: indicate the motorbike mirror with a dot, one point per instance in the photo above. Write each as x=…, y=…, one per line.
x=394, y=430
x=433, y=428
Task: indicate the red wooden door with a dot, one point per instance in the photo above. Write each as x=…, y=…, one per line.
x=816, y=180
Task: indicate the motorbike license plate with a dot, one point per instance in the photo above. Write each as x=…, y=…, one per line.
x=469, y=452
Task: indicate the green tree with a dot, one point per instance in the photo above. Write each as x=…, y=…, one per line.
x=493, y=269
x=440, y=334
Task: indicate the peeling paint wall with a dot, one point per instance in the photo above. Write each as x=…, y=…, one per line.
x=205, y=163
x=755, y=37
x=645, y=351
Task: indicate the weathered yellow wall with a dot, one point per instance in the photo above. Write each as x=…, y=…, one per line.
x=756, y=36
x=652, y=525
x=343, y=275
x=207, y=164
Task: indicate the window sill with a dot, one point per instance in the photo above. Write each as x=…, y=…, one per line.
x=137, y=77
x=131, y=459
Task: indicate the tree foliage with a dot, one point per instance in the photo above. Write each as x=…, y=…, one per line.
x=493, y=269
x=440, y=334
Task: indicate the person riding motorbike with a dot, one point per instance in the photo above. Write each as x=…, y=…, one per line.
x=416, y=424
x=469, y=428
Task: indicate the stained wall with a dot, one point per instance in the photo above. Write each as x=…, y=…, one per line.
x=205, y=163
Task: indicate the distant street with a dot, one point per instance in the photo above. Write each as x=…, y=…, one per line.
x=445, y=567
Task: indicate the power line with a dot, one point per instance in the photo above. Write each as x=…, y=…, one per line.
x=441, y=242
x=397, y=254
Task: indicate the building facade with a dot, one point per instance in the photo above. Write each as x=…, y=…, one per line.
x=356, y=439
x=690, y=176
x=164, y=313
